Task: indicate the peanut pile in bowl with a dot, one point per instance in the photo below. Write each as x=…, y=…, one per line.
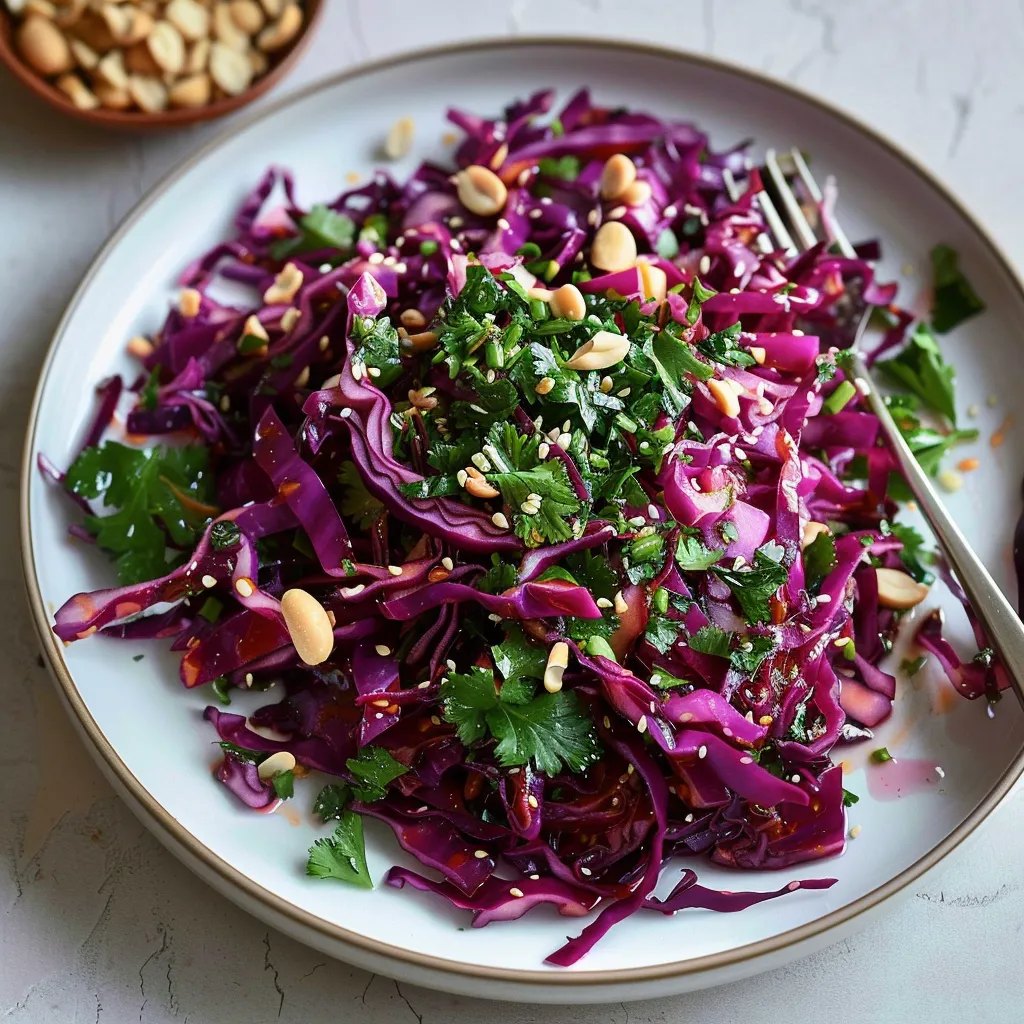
x=153, y=55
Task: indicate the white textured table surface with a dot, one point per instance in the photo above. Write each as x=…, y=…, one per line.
x=97, y=922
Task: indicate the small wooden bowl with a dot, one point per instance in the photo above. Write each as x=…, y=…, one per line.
x=172, y=118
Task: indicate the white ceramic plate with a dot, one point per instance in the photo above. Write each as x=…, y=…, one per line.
x=146, y=730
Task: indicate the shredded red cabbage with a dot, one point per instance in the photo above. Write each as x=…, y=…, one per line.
x=585, y=615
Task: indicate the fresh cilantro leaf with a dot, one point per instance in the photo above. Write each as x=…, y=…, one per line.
x=343, y=855
x=913, y=553
x=432, y=487
x=849, y=799
x=750, y=653
x=929, y=446
x=149, y=395
x=662, y=632
x=284, y=785
x=517, y=657
x=722, y=348
x=675, y=355
x=332, y=801
x=158, y=494
x=373, y=768
x=662, y=680
x=376, y=347
x=693, y=556
x=911, y=668
x=356, y=501
x=551, y=729
x=752, y=588
x=710, y=640
x=667, y=246
x=582, y=630
x=567, y=168
x=243, y=754
x=819, y=559
x=921, y=369
x=826, y=369
x=954, y=299
x=698, y=297
x=499, y=578
x=322, y=228
x=558, y=501
x=593, y=572
x=224, y=535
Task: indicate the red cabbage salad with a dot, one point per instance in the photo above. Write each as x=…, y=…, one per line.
x=538, y=494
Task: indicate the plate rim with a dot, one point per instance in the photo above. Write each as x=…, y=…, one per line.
x=180, y=840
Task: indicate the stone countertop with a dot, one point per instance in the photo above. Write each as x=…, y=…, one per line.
x=98, y=922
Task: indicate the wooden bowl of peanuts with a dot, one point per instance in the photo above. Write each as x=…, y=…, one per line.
x=152, y=63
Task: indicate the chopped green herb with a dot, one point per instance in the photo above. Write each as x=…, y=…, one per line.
x=598, y=647
x=137, y=657
x=921, y=369
x=332, y=801
x=753, y=587
x=224, y=535
x=373, y=768
x=356, y=501
x=910, y=667
x=819, y=559
x=220, y=687
x=321, y=228
x=284, y=784
x=693, y=556
x=551, y=730
x=518, y=657
x=839, y=399
x=159, y=494
x=954, y=300
x=721, y=347
x=881, y=755
x=343, y=855
x=710, y=640
x=849, y=799
x=149, y=396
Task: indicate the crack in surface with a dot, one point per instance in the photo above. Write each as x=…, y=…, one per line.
x=145, y=963
x=367, y=989
x=404, y=998
x=355, y=24
x=269, y=966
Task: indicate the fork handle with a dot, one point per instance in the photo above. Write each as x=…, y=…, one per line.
x=1002, y=624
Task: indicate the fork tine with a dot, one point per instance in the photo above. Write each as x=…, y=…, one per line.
x=804, y=231
x=776, y=227
x=838, y=235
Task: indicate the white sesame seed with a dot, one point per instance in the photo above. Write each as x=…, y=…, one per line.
x=592, y=217
x=500, y=521
x=481, y=854
x=641, y=726
x=637, y=521
x=209, y=581
x=455, y=222
x=616, y=213
x=345, y=413
x=794, y=778
x=824, y=599
x=375, y=257
x=502, y=224
x=244, y=587
x=395, y=570
x=450, y=665
x=515, y=891
x=435, y=720
x=586, y=871
x=938, y=771
x=746, y=760
x=248, y=679
x=383, y=650
x=424, y=685
x=494, y=617
x=705, y=265
x=702, y=752
x=532, y=801
x=603, y=602
x=688, y=818
x=447, y=563
x=624, y=393
x=741, y=456
x=670, y=211
x=535, y=214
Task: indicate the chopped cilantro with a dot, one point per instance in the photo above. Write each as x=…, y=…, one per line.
x=332, y=801
x=321, y=228
x=159, y=494
x=376, y=347
x=343, y=855
x=721, y=347
x=356, y=501
x=517, y=657
x=551, y=730
x=224, y=535
x=911, y=667
x=284, y=784
x=913, y=553
x=149, y=395
x=693, y=556
x=839, y=399
x=849, y=799
x=881, y=755
x=819, y=559
x=699, y=296
x=710, y=640
x=220, y=687
x=567, y=168
x=373, y=768
x=751, y=652
x=662, y=680
x=499, y=578
x=954, y=299
x=921, y=369
x=753, y=587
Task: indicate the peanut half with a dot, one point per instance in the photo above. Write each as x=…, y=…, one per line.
x=308, y=626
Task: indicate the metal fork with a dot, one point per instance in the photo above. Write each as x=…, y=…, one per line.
x=790, y=231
